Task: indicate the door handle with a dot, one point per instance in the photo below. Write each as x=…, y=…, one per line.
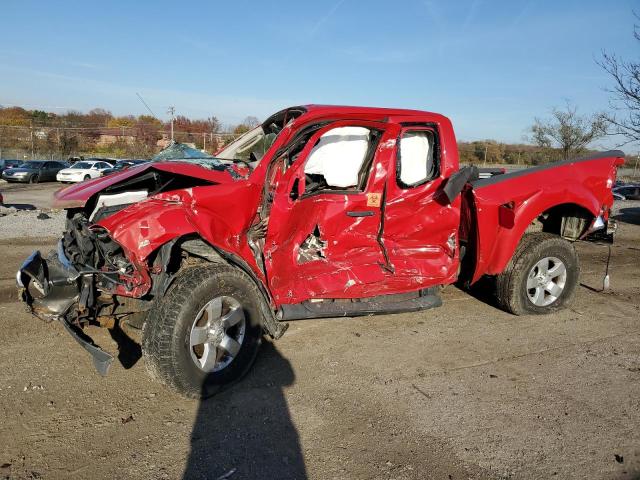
x=361, y=213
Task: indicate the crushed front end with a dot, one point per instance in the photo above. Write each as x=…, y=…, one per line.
x=77, y=284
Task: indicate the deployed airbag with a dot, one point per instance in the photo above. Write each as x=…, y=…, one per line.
x=415, y=157
x=339, y=155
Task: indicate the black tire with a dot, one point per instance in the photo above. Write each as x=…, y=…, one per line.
x=87, y=177
x=511, y=285
x=166, y=331
x=34, y=178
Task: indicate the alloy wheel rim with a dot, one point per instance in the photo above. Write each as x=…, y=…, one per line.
x=217, y=333
x=546, y=281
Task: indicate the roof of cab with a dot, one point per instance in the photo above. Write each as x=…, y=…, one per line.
x=370, y=112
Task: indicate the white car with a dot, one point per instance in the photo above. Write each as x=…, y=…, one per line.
x=81, y=171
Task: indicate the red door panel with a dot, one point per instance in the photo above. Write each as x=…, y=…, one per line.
x=325, y=245
x=420, y=230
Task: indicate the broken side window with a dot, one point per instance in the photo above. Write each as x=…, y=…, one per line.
x=415, y=157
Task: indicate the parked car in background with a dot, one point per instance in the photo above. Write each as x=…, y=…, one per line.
x=122, y=165
x=34, y=171
x=110, y=161
x=628, y=192
x=81, y=171
x=5, y=164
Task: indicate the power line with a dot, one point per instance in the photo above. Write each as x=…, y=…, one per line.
x=145, y=104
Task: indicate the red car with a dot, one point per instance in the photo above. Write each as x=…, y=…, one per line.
x=321, y=211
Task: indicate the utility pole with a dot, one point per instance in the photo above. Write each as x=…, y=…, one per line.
x=31, y=123
x=204, y=141
x=171, y=112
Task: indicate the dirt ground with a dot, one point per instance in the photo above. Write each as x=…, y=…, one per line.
x=462, y=391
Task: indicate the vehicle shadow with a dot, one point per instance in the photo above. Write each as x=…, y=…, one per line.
x=129, y=350
x=19, y=206
x=247, y=431
x=629, y=215
x=484, y=290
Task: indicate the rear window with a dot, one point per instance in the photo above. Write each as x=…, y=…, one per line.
x=82, y=165
x=32, y=165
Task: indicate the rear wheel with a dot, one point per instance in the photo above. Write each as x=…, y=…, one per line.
x=541, y=277
x=204, y=334
x=34, y=178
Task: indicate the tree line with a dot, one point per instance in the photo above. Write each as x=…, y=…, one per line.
x=39, y=133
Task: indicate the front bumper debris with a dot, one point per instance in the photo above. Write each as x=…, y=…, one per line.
x=51, y=289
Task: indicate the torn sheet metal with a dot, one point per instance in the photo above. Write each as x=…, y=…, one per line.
x=312, y=249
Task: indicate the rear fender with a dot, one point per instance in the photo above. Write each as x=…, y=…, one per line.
x=502, y=222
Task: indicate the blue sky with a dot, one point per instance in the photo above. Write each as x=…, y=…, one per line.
x=491, y=66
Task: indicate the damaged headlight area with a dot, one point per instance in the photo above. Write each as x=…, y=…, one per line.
x=78, y=280
x=90, y=248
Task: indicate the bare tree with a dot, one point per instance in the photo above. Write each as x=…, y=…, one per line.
x=567, y=130
x=625, y=92
x=251, y=121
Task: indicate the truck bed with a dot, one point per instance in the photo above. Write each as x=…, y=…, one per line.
x=501, y=208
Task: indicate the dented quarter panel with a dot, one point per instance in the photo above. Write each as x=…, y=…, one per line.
x=220, y=215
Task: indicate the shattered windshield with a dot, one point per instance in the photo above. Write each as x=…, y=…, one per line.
x=185, y=153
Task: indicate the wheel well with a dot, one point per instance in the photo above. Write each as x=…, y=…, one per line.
x=567, y=220
x=194, y=249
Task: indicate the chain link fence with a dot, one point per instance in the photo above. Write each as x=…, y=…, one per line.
x=60, y=143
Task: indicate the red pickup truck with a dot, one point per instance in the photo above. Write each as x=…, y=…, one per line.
x=321, y=211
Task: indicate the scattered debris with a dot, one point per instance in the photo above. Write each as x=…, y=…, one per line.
x=43, y=216
x=491, y=375
x=619, y=458
x=127, y=419
x=227, y=475
x=32, y=387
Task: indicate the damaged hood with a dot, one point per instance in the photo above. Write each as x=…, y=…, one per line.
x=76, y=196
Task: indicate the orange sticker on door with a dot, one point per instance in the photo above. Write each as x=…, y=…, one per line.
x=373, y=199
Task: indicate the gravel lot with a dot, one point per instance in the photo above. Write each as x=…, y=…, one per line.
x=462, y=391
x=25, y=223
x=22, y=205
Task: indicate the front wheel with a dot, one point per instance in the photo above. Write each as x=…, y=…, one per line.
x=34, y=178
x=87, y=177
x=541, y=277
x=204, y=334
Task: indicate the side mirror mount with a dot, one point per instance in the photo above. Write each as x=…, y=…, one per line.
x=458, y=180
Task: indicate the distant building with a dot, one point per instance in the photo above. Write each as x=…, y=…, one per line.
x=109, y=136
